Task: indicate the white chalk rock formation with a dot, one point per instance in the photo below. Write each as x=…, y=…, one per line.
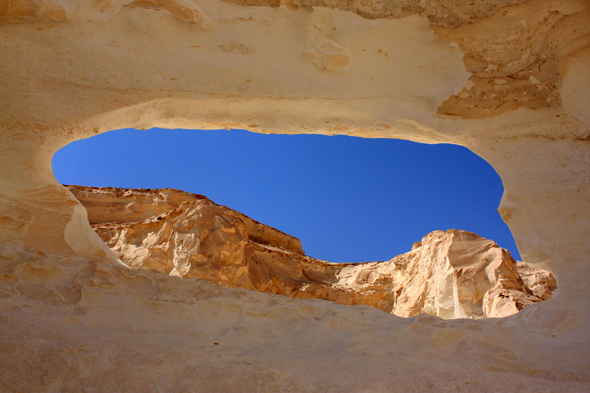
x=507, y=79
x=452, y=274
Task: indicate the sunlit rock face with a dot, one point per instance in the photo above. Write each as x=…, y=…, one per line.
x=452, y=274
x=507, y=79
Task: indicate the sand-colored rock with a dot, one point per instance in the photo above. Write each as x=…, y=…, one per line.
x=539, y=282
x=506, y=79
x=116, y=205
x=452, y=274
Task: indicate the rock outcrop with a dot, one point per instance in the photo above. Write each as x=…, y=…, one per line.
x=506, y=79
x=452, y=274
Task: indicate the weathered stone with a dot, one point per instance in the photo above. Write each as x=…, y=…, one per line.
x=452, y=274
x=75, y=319
x=539, y=282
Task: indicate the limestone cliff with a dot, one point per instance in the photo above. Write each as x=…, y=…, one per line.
x=452, y=274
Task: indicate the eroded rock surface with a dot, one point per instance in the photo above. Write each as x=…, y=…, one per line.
x=452, y=274
x=507, y=79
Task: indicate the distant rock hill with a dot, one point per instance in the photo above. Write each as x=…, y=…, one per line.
x=451, y=274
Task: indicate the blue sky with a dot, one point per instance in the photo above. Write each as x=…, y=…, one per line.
x=348, y=199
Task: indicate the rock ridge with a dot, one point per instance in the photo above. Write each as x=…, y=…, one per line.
x=450, y=274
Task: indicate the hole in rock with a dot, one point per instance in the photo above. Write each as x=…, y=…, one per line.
x=347, y=199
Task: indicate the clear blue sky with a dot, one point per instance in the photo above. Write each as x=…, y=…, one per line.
x=348, y=199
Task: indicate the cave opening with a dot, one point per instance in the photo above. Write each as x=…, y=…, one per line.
x=347, y=199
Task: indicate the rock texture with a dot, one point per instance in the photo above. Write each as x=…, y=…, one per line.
x=507, y=79
x=452, y=274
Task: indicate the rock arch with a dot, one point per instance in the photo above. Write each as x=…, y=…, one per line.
x=515, y=94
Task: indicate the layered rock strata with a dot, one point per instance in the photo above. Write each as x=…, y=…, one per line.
x=452, y=274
